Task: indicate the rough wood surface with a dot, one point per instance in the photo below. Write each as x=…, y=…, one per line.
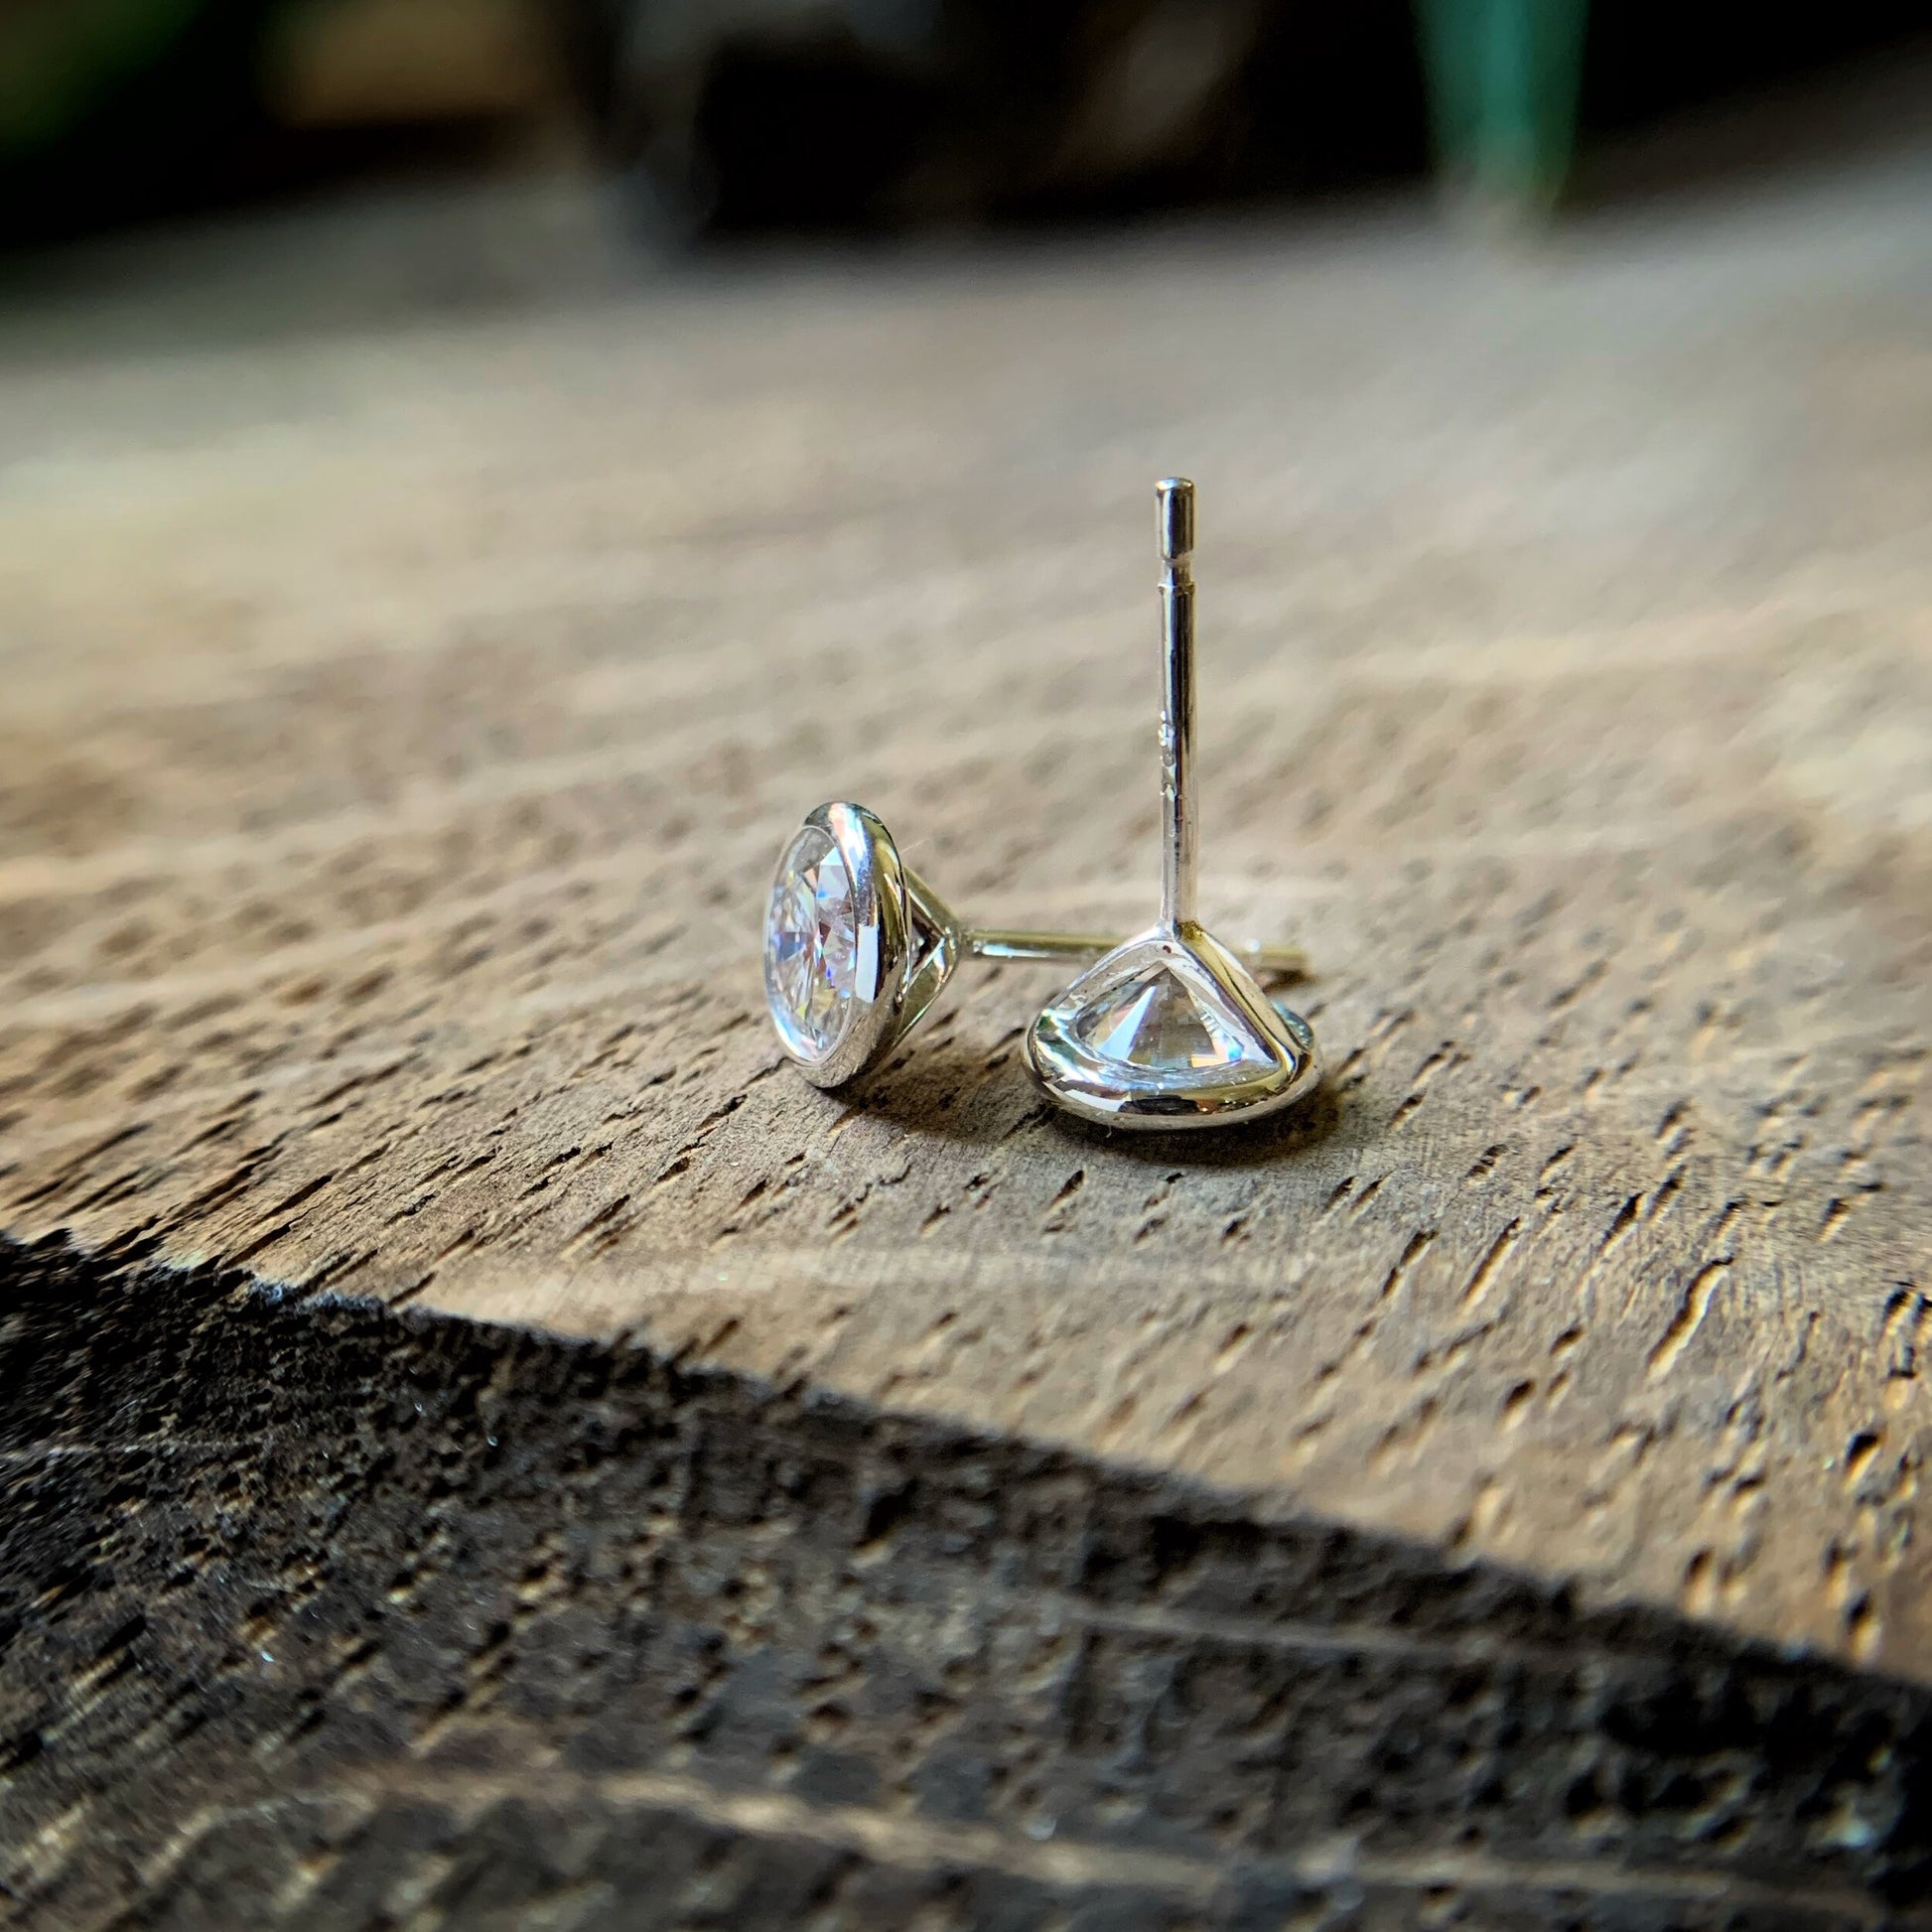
x=346, y=1619
x=399, y=724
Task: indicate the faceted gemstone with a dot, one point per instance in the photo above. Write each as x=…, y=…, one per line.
x=811, y=943
x=1160, y=1022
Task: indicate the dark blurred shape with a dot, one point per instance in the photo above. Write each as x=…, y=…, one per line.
x=733, y=115
x=755, y=114
x=1509, y=80
x=112, y=107
x=1647, y=59
x=114, y=110
x=762, y=113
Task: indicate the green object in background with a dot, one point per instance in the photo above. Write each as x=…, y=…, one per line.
x=1504, y=77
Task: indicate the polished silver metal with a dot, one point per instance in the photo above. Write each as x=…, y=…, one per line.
x=1067, y=948
x=1181, y=845
x=896, y=946
x=1169, y=1027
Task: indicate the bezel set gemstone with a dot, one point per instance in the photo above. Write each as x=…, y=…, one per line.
x=834, y=942
x=855, y=947
x=1162, y=1018
x=1170, y=1030
x=811, y=944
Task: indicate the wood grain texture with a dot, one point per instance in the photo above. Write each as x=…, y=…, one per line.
x=338, y=1618
x=400, y=721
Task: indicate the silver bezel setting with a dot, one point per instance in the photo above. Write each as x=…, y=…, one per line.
x=905, y=944
x=1109, y=1093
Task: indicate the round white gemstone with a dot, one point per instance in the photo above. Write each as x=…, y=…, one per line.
x=811, y=944
x=1157, y=1022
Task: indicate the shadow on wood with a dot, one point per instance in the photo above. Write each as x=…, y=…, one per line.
x=419, y=1615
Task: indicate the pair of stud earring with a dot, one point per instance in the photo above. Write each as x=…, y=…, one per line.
x=1167, y=1029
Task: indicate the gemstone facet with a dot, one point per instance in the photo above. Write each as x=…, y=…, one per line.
x=1154, y=1021
x=1170, y=1030
x=811, y=945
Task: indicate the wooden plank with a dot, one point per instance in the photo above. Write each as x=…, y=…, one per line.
x=400, y=726
x=345, y=1616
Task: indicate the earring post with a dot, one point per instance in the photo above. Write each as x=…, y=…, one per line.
x=1180, y=832
x=1287, y=962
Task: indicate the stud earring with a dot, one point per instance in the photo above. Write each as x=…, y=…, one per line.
x=1169, y=1028
x=858, y=946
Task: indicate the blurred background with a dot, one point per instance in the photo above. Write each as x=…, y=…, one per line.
x=708, y=117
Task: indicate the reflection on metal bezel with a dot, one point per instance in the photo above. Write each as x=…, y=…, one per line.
x=879, y=919
x=1099, y=1090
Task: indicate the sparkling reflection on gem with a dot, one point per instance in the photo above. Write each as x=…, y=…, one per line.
x=1157, y=1020
x=811, y=944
